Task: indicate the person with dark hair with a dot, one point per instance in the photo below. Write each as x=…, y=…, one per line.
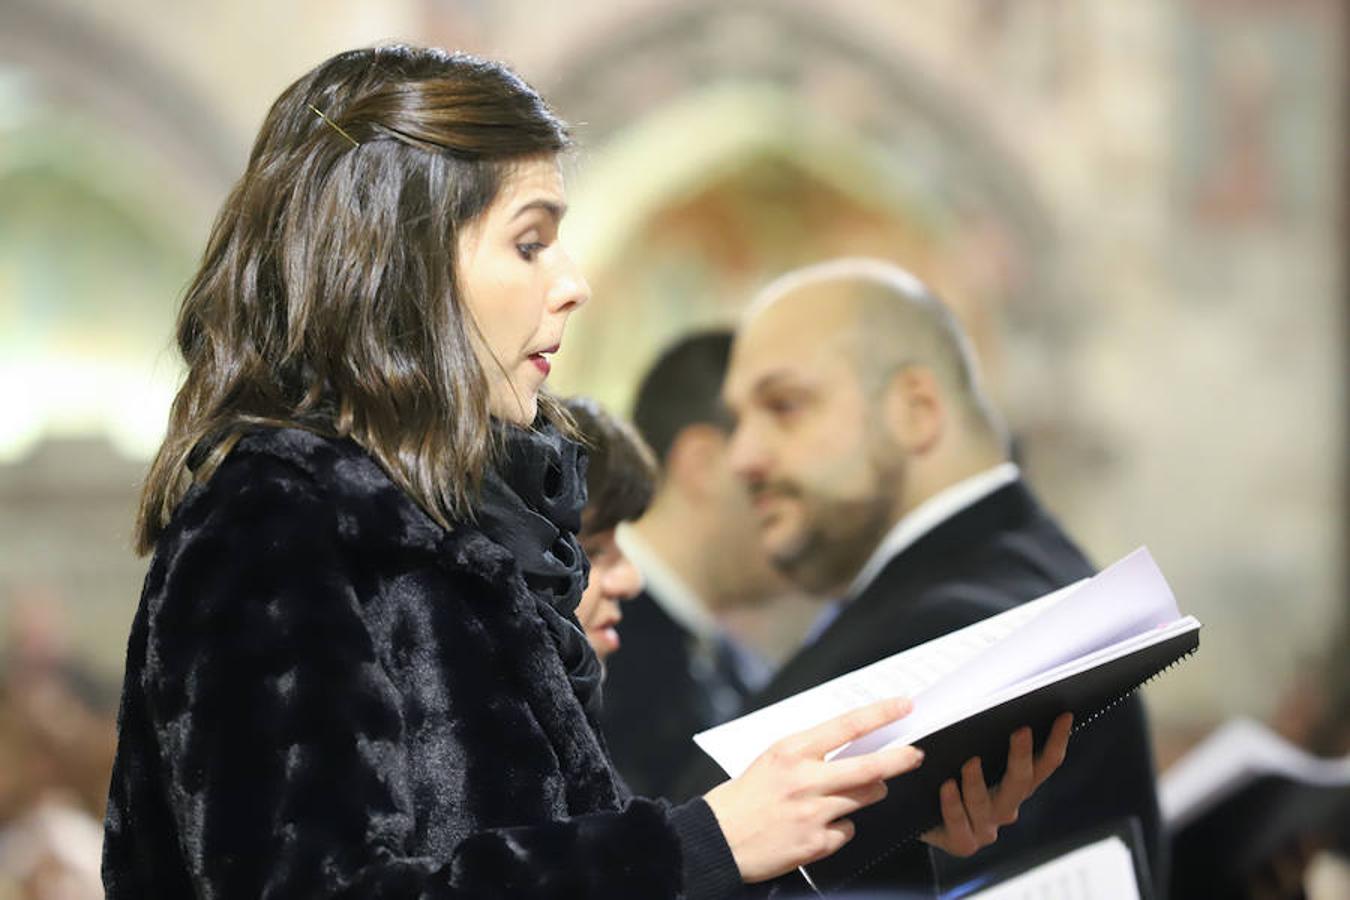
x=683, y=387
x=620, y=478
x=698, y=553
x=355, y=669
x=880, y=477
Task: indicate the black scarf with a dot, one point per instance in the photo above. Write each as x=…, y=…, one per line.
x=531, y=505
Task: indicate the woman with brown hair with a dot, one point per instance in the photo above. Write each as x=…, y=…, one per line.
x=355, y=669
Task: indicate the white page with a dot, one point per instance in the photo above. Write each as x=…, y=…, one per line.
x=737, y=743
x=1088, y=661
x=1059, y=673
x=1127, y=599
x=1100, y=871
x=1238, y=752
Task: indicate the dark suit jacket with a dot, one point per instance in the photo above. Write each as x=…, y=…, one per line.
x=1002, y=551
x=660, y=690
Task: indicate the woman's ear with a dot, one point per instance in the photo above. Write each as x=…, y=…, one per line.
x=691, y=463
x=914, y=410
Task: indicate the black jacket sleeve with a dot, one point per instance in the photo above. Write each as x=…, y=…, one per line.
x=280, y=740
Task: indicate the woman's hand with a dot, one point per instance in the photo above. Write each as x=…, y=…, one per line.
x=972, y=815
x=790, y=807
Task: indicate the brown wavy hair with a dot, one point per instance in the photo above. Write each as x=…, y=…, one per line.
x=326, y=297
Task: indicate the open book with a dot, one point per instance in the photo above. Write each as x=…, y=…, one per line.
x=1241, y=796
x=1080, y=649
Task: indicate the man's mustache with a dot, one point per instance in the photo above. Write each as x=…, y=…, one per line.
x=775, y=488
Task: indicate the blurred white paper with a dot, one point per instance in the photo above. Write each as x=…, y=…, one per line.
x=1100, y=871
x=1231, y=758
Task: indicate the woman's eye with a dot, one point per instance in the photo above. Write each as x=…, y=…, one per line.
x=528, y=251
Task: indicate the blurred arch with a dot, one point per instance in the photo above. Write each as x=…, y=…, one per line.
x=674, y=101
x=110, y=170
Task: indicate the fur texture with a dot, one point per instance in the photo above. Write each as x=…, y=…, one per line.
x=327, y=695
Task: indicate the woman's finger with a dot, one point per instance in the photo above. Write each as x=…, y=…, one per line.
x=836, y=834
x=1054, y=751
x=1018, y=780
x=846, y=803
x=955, y=835
x=880, y=765
x=820, y=740
x=979, y=807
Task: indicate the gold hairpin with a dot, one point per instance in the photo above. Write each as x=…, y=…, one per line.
x=335, y=126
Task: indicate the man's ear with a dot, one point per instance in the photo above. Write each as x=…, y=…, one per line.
x=914, y=409
x=691, y=463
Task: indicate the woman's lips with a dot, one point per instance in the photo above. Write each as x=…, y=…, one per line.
x=604, y=632
x=608, y=638
x=540, y=359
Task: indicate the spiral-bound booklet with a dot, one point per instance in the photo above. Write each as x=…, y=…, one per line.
x=1080, y=649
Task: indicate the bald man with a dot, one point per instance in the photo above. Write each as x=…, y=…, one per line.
x=880, y=477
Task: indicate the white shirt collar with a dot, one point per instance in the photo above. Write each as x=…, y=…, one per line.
x=666, y=588
x=928, y=515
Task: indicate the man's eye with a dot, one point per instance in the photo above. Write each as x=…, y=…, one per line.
x=528, y=251
x=782, y=406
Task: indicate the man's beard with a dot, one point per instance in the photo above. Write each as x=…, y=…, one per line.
x=838, y=535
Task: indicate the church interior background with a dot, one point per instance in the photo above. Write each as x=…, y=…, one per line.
x=1137, y=208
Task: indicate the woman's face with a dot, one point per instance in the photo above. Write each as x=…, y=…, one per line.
x=613, y=580
x=519, y=285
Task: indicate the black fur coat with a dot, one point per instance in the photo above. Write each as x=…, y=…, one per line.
x=328, y=695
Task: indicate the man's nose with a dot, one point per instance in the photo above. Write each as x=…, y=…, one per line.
x=746, y=454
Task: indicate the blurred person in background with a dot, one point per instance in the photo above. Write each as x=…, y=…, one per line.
x=879, y=474
x=699, y=556
x=1293, y=847
x=355, y=669
x=620, y=478
x=57, y=735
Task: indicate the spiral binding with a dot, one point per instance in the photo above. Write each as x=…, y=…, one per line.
x=1077, y=727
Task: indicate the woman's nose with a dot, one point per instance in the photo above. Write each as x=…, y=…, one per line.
x=570, y=291
x=624, y=581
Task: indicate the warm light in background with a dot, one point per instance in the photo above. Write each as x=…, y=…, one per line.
x=1132, y=206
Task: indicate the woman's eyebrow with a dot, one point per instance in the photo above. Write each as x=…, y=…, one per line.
x=554, y=209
